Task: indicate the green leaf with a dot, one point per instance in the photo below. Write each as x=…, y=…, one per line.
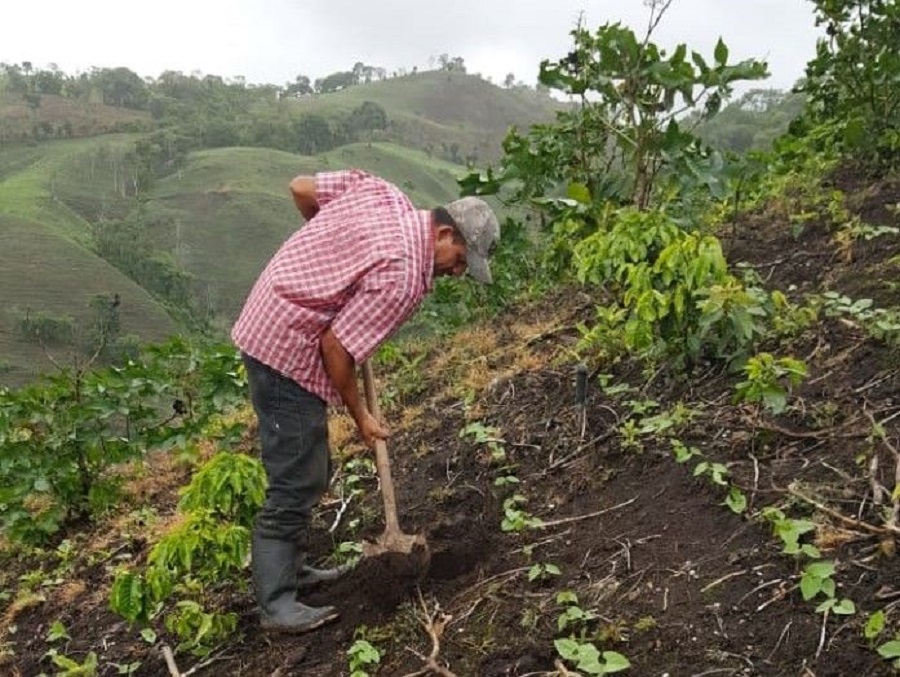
x=809, y=587
x=736, y=500
x=721, y=53
x=890, y=650
x=845, y=607
x=579, y=192
x=568, y=649
x=615, y=662
x=874, y=625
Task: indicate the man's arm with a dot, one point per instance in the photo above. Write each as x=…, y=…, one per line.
x=341, y=369
x=303, y=190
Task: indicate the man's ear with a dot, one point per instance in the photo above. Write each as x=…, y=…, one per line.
x=443, y=231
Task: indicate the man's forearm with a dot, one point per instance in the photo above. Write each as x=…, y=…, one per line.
x=341, y=369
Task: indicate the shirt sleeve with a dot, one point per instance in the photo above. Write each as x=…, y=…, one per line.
x=381, y=303
x=331, y=185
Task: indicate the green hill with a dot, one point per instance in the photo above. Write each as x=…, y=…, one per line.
x=434, y=110
x=44, y=274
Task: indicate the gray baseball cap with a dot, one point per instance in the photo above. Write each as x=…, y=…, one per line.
x=478, y=224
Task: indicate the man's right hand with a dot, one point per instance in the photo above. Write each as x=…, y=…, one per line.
x=370, y=429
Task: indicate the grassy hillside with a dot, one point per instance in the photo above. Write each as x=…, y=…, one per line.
x=41, y=271
x=436, y=109
x=62, y=117
x=229, y=210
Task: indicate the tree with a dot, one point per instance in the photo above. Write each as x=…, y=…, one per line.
x=313, y=134
x=335, y=82
x=509, y=80
x=852, y=82
x=301, y=86
x=624, y=137
x=122, y=87
x=368, y=117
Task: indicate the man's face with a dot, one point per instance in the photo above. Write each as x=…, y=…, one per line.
x=449, y=254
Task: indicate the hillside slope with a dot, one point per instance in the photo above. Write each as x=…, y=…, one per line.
x=434, y=110
x=44, y=273
x=635, y=550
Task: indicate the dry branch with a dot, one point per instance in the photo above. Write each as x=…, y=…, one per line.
x=434, y=623
x=865, y=526
x=578, y=518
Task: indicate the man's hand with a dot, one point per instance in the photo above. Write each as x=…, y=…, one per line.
x=370, y=429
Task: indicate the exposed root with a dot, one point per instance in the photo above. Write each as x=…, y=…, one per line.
x=434, y=623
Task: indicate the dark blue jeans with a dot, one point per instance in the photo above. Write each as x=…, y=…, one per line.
x=293, y=431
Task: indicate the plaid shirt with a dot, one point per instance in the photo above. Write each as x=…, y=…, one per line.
x=361, y=266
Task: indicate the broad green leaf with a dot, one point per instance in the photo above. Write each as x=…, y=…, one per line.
x=721, y=53
x=890, y=650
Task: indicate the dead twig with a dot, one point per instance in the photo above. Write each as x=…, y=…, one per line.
x=719, y=581
x=865, y=526
x=173, y=667
x=780, y=640
x=434, y=623
x=170, y=661
x=578, y=518
x=562, y=670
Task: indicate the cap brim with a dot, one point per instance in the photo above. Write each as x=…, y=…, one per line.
x=478, y=268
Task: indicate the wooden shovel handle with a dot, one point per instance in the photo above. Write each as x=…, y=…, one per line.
x=382, y=461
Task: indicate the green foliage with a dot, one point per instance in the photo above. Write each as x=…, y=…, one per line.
x=789, y=531
x=201, y=547
x=229, y=486
x=752, y=122
x=673, y=294
x=488, y=436
x=361, y=657
x=852, y=79
x=200, y=631
x=630, y=95
x=874, y=625
x=515, y=517
x=716, y=473
x=882, y=323
x=60, y=437
x=573, y=618
x=817, y=578
x=69, y=667
x=543, y=571
x=769, y=380
x=586, y=657
x=46, y=328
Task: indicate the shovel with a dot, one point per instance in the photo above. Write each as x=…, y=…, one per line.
x=393, y=540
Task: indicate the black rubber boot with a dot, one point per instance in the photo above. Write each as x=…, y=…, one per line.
x=309, y=576
x=273, y=565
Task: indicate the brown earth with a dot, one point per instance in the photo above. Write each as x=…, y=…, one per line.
x=678, y=583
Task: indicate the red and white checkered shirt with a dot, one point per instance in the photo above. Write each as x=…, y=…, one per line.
x=361, y=266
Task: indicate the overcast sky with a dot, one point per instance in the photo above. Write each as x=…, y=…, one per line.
x=271, y=41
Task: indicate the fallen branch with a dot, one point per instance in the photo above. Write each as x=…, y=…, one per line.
x=434, y=626
x=170, y=661
x=829, y=434
x=578, y=518
x=173, y=667
x=865, y=526
x=724, y=578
